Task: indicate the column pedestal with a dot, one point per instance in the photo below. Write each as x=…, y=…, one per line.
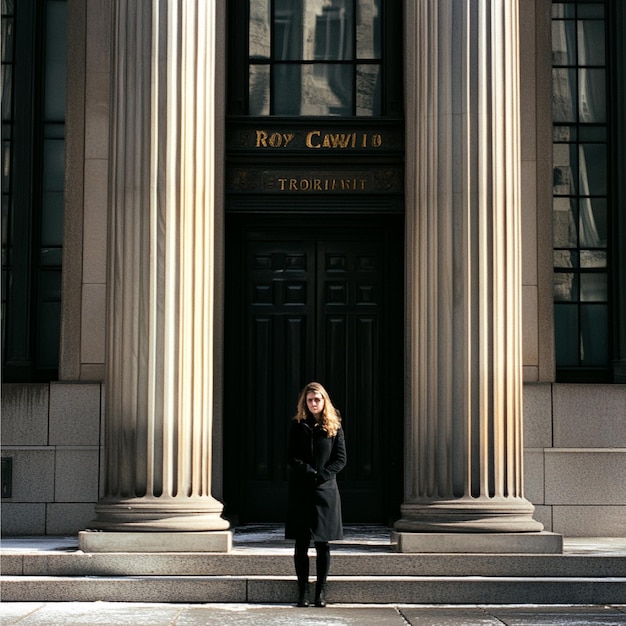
x=213, y=541
x=478, y=543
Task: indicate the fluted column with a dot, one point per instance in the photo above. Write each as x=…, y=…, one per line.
x=464, y=445
x=159, y=385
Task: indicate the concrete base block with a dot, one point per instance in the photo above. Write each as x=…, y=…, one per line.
x=481, y=543
x=210, y=541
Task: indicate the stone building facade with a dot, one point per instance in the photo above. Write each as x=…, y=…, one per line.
x=180, y=358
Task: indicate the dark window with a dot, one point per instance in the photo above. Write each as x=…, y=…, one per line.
x=581, y=187
x=314, y=58
x=33, y=171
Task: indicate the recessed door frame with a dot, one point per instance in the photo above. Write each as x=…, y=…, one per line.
x=236, y=225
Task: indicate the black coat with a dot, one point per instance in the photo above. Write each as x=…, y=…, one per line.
x=313, y=503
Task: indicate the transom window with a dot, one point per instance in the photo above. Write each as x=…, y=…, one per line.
x=316, y=58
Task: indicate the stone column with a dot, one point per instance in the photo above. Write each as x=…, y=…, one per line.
x=463, y=437
x=159, y=385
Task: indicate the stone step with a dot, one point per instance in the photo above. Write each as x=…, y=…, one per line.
x=364, y=568
x=341, y=589
x=77, y=563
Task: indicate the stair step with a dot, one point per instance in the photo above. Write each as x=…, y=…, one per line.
x=341, y=589
x=364, y=569
x=386, y=564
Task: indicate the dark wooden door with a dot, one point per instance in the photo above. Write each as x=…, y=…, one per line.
x=306, y=302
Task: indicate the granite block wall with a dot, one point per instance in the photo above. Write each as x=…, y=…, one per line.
x=575, y=457
x=53, y=435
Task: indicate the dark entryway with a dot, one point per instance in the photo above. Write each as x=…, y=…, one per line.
x=313, y=298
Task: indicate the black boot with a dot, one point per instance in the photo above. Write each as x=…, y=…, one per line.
x=323, y=567
x=303, y=601
x=301, y=561
x=320, y=595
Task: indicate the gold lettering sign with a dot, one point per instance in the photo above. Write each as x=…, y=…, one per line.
x=273, y=140
x=317, y=139
x=305, y=183
x=299, y=181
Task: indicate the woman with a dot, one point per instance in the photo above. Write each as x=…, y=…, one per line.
x=316, y=452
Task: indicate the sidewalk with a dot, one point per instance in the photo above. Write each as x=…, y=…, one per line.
x=121, y=614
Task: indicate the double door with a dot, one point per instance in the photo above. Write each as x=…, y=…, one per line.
x=307, y=302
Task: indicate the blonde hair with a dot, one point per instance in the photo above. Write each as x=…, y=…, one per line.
x=331, y=419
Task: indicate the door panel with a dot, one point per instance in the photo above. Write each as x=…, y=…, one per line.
x=304, y=303
x=278, y=304
x=351, y=316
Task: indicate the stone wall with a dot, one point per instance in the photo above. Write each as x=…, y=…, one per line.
x=53, y=434
x=575, y=457
x=83, y=329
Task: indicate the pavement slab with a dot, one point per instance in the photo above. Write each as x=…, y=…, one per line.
x=164, y=614
x=140, y=614
x=555, y=616
x=544, y=615
x=448, y=616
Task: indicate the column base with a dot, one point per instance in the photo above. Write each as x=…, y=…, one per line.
x=469, y=515
x=160, y=515
x=210, y=541
x=478, y=543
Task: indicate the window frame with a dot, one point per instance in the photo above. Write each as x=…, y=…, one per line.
x=391, y=64
x=30, y=284
x=614, y=367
